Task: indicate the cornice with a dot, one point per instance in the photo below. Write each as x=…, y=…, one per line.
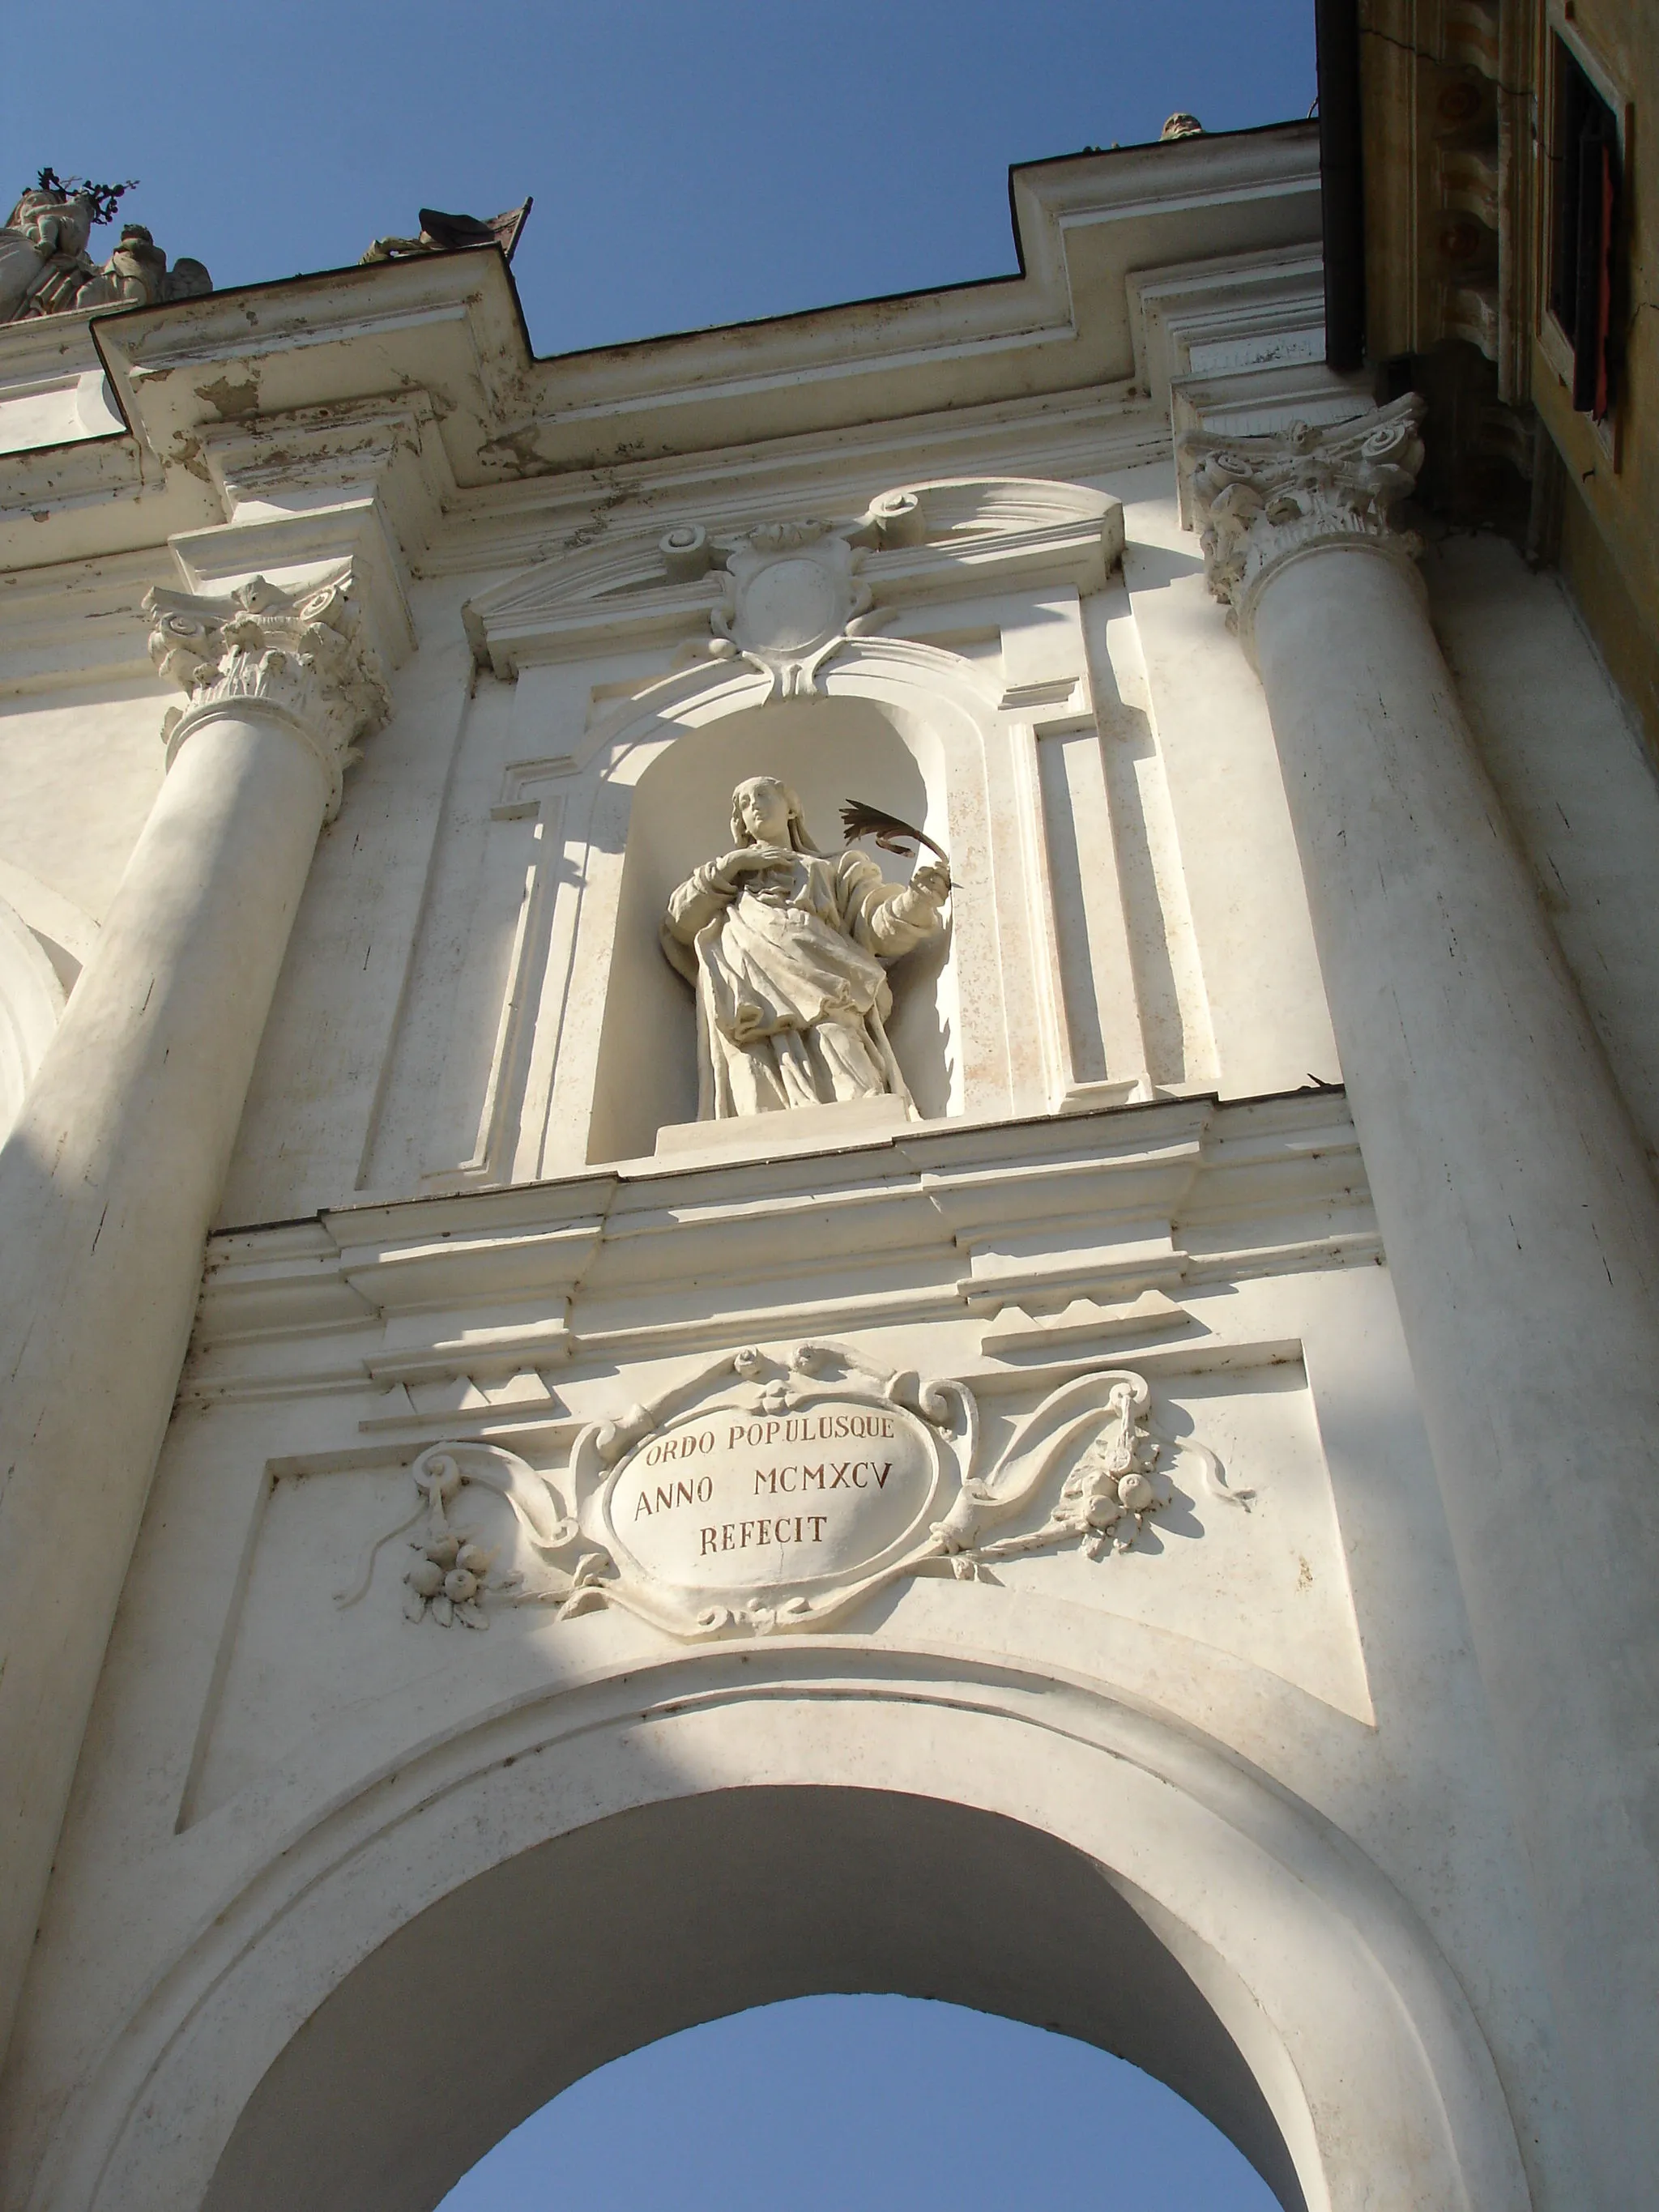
x=1094, y=1222
x=450, y=324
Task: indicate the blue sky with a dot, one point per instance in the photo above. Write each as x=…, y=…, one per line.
x=690, y=164
x=695, y=165
x=865, y=2105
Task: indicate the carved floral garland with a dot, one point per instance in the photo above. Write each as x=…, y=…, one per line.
x=578, y=1563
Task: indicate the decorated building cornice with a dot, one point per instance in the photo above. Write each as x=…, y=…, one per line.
x=138, y=401
x=1259, y=503
x=301, y=655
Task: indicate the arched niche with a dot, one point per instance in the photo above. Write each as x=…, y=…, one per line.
x=829, y=750
x=400, y=1973
x=31, y=1003
x=899, y=724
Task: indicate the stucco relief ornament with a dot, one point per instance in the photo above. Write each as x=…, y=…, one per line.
x=454, y=1574
x=791, y=596
x=762, y=1494
x=1260, y=501
x=301, y=655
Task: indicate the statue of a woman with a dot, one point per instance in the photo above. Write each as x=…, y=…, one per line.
x=785, y=947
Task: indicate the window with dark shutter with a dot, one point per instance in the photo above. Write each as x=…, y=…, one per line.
x=1586, y=215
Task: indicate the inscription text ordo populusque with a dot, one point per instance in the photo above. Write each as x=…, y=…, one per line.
x=734, y=1498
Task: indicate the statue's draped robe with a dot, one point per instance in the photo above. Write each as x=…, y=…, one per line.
x=792, y=996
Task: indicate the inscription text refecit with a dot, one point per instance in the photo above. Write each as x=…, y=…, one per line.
x=822, y=1478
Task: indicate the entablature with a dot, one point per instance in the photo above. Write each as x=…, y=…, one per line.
x=1091, y=1224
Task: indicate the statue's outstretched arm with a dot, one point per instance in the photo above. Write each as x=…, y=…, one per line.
x=891, y=918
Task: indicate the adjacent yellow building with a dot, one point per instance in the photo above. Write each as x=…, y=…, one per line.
x=1508, y=257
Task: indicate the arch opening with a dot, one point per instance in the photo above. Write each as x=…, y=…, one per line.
x=877, y=2101
x=617, y=1934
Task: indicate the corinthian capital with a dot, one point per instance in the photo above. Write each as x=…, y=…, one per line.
x=1262, y=502
x=301, y=655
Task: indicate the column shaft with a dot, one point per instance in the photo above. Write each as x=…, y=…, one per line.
x=108, y=1183
x=110, y=1179
x=1521, y=1228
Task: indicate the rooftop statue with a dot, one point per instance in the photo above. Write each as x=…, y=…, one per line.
x=785, y=946
x=46, y=268
x=453, y=234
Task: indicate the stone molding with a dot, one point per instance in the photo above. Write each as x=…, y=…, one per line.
x=481, y=1297
x=1260, y=502
x=300, y=655
x=821, y=583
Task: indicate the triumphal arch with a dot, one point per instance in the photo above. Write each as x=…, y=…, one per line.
x=814, y=1188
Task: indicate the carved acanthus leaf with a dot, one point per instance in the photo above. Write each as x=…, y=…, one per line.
x=301, y=655
x=1261, y=500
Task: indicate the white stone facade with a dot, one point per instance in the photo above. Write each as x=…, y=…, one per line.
x=1151, y=1534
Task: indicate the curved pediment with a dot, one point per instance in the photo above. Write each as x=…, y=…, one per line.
x=914, y=541
x=948, y=507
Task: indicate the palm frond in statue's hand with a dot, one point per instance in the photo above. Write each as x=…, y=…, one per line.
x=858, y=819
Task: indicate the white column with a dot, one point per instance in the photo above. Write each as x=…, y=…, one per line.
x=109, y=1181
x=1520, y=1220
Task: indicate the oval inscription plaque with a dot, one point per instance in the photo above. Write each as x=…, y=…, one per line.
x=791, y=605
x=733, y=1499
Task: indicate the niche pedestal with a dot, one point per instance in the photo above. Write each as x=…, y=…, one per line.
x=770, y=1136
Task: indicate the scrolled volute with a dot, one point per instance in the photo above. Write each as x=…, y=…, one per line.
x=299, y=655
x=1260, y=501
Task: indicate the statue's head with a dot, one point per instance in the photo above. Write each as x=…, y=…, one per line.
x=137, y=252
x=766, y=811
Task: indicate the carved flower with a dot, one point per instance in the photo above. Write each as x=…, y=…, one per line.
x=1110, y=1491
x=450, y=1579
